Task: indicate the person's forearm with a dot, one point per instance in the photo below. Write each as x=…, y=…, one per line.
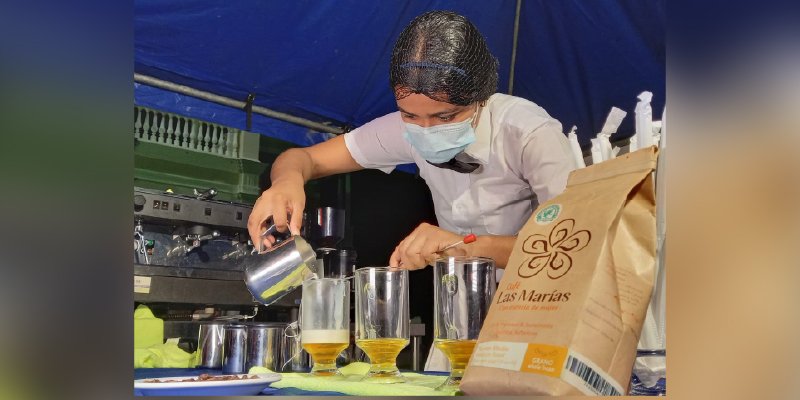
x=497, y=248
x=293, y=165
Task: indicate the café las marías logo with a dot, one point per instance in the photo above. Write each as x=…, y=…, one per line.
x=553, y=253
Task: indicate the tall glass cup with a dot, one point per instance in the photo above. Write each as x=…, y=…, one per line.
x=462, y=288
x=325, y=322
x=382, y=321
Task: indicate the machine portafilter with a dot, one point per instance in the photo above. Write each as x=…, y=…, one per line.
x=186, y=243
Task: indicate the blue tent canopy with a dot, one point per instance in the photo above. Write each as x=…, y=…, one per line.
x=328, y=61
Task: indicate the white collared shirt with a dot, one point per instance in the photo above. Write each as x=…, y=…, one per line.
x=524, y=156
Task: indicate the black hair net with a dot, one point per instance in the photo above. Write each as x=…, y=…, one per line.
x=442, y=55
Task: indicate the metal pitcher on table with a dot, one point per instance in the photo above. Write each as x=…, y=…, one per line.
x=209, y=344
x=278, y=271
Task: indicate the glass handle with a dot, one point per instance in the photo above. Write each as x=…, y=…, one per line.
x=449, y=290
x=295, y=327
x=300, y=317
x=371, y=328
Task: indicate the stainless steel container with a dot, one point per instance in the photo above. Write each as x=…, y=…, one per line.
x=234, y=349
x=264, y=345
x=209, y=345
x=273, y=274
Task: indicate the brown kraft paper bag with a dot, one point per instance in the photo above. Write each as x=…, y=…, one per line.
x=567, y=314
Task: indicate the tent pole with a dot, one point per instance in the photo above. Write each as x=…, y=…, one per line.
x=514, y=49
x=227, y=101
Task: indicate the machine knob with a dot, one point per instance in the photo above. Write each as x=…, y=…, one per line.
x=138, y=202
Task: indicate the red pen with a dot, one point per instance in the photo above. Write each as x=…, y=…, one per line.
x=467, y=239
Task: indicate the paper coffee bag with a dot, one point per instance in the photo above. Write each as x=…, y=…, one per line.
x=567, y=315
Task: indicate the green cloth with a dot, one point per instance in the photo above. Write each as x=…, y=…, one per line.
x=165, y=355
x=349, y=383
x=147, y=329
x=149, y=349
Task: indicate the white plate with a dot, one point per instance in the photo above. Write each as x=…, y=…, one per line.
x=171, y=386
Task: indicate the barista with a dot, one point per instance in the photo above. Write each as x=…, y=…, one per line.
x=488, y=158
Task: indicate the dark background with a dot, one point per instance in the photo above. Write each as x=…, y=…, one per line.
x=383, y=209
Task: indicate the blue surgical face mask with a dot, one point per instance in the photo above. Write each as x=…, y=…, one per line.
x=440, y=143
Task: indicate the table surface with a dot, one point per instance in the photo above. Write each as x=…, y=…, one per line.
x=148, y=373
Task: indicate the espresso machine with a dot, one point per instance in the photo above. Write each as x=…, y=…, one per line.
x=189, y=253
x=189, y=249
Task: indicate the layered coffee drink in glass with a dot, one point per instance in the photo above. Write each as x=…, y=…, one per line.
x=463, y=288
x=382, y=322
x=325, y=322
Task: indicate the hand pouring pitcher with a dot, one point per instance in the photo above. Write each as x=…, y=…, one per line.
x=276, y=272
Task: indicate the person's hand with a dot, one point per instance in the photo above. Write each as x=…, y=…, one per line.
x=422, y=246
x=280, y=200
